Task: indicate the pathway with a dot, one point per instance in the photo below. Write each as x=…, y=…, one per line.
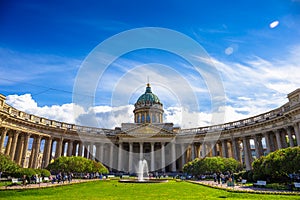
x=244, y=188
x=43, y=185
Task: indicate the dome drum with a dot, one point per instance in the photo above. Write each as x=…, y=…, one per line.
x=148, y=108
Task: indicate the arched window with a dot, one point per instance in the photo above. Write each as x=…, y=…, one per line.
x=148, y=118
x=138, y=119
x=143, y=118
x=153, y=119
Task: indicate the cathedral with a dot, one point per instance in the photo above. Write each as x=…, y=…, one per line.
x=34, y=141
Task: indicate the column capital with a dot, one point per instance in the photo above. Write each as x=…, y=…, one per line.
x=287, y=128
x=295, y=124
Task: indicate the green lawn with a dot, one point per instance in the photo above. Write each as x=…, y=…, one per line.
x=116, y=190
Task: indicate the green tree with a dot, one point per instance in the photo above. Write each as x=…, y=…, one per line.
x=76, y=164
x=7, y=165
x=210, y=165
x=277, y=165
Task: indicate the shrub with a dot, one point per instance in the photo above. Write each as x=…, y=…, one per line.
x=76, y=164
x=7, y=165
x=277, y=165
x=210, y=165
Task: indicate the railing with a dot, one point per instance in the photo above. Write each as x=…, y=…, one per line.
x=236, y=124
x=199, y=130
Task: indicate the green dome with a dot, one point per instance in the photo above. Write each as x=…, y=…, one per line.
x=148, y=97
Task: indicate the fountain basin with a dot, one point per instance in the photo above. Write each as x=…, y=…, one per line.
x=143, y=181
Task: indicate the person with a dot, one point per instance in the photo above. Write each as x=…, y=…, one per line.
x=218, y=177
x=215, y=177
x=51, y=179
x=28, y=179
x=24, y=180
x=63, y=177
x=33, y=179
x=58, y=177
x=69, y=177
x=222, y=178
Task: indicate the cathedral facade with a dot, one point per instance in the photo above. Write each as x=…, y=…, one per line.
x=34, y=141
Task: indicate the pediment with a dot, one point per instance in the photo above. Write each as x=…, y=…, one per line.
x=147, y=129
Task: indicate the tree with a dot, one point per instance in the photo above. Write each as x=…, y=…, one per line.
x=7, y=165
x=76, y=164
x=210, y=165
x=277, y=165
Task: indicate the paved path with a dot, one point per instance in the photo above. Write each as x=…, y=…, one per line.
x=43, y=185
x=244, y=188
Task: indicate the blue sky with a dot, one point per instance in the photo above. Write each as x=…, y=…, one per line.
x=43, y=45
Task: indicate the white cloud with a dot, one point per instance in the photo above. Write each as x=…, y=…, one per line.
x=274, y=24
x=252, y=87
x=110, y=117
x=106, y=116
x=259, y=85
x=63, y=112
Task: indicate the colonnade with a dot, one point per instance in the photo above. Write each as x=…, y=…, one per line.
x=161, y=156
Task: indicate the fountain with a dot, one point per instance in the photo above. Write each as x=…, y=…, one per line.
x=143, y=175
x=142, y=171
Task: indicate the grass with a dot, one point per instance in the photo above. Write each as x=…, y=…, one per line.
x=115, y=190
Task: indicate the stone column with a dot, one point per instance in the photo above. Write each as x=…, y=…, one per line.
x=111, y=154
x=70, y=148
x=291, y=140
x=120, y=163
x=236, y=149
x=47, y=152
x=173, y=157
x=19, y=149
x=152, y=157
x=163, y=159
x=247, y=154
x=101, y=152
x=32, y=152
x=12, y=152
x=203, y=149
x=79, y=149
x=278, y=139
x=63, y=149
x=86, y=150
x=25, y=149
x=224, y=149
x=58, y=150
x=90, y=150
x=268, y=143
x=3, y=136
x=130, y=159
x=141, y=151
x=198, y=150
x=8, y=145
x=74, y=148
x=297, y=133
x=183, y=155
x=97, y=152
x=37, y=151
x=193, y=151
x=258, y=146
x=213, y=148
x=283, y=139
